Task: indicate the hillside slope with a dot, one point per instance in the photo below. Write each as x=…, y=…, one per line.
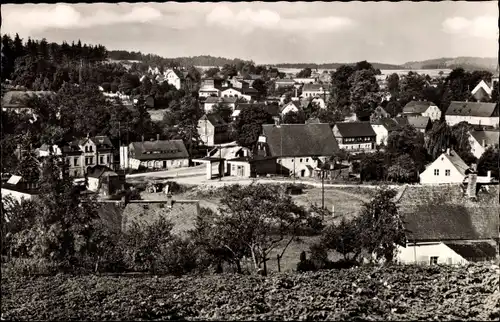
x=370, y=293
x=464, y=62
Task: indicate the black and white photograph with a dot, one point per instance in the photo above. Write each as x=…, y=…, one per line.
x=244, y=161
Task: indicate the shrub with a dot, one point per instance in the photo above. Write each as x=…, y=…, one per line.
x=30, y=266
x=305, y=265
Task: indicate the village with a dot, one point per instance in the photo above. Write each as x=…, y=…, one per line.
x=207, y=187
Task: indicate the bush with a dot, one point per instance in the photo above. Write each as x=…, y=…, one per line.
x=305, y=265
x=30, y=266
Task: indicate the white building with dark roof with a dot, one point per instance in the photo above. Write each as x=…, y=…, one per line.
x=476, y=113
x=159, y=154
x=481, y=140
x=422, y=108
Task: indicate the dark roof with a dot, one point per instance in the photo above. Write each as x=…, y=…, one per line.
x=389, y=124
x=417, y=107
x=213, y=118
x=98, y=170
x=489, y=137
x=444, y=213
x=168, y=150
x=289, y=140
x=473, y=251
x=402, y=121
x=355, y=129
x=479, y=109
x=102, y=142
x=272, y=109
x=419, y=122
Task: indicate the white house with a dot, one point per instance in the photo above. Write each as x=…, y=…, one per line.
x=297, y=147
x=476, y=113
x=227, y=101
x=159, y=154
x=481, y=140
x=206, y=91
x=319, y=101
x=315, y=90
x=445, y=225
x=382, y=128
x=419, y=108
x=482, y=91
x=233, y=92
x=305, y=80
x=173, y=77
x=447, y=168
x=292, y=106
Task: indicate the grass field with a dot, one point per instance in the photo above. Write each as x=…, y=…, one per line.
x=347, y=202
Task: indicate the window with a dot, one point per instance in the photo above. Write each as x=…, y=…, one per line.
x=300, y=160
x=75, y=161
x=447, y=173
x=433, y=260
x=307, y=159
x=101, y=159
x=86, y=149
x=436, y=172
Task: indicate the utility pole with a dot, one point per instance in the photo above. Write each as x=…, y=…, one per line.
x=323, y=188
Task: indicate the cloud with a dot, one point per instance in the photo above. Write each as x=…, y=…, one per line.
x=39, y=18
x=247, y=20
x=480, y=27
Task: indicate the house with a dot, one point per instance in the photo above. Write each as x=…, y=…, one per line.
x=213, y=129
x=476, y=113
x=422, y=108
x=154, y=71
x=452, y=224
x=355, y=136
x=210, y=102
x=15, y=101
x=379, y=113
x=305, y=80
x=421, y=123
x=251, y=166
x=82, y=153
x=206, y=91
x=284, y=83
x=104, y=180
x=119, y=216
x=18, y=189
x=177, y=78
x=319, y=101
x=482, y=92
x=297, y=147
x=383, y=127
x=248, y=94
x=447, y=168
x=481, y=140
x=272, y=109
x=315, y=90
x=292, y=106
x=239, y=83
x=159, y=154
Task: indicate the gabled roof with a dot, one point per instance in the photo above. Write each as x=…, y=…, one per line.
x=102, y=142
x=456, y=160
x=478, y=109
x=314, y=88
x=294, y=103
x=417, y=107
x=419, y=122
x=289, y=140
x=444, y=213
x=388, y=123
x=214, y=119
x=14, y=180
x=355, y=129
x=489, y=137
x=482, y=85
x=165, y=150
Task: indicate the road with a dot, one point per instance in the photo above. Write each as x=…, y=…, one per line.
x=196, y=176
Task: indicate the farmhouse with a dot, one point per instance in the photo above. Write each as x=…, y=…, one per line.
x=247, y=93
x=355, y=136
x=447, y=168
x=481, y=140
x=383, y=127
x=476, y=113
x=213, y=129
x=159, y=154
x=422, y=108
x=446, y=226
x=297, y=147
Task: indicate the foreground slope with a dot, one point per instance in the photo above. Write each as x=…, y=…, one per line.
x=392, y=293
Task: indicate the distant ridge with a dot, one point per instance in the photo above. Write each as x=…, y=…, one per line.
x=488, y=63
x=334, y=65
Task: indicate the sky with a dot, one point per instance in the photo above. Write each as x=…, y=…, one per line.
x=267, y=33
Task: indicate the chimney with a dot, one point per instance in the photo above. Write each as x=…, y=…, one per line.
x=472, y=182
x=483, y=143
x=157, y=137
x=488, y=175
x=448, y=151
x=169, y=200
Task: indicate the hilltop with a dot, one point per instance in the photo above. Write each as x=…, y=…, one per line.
x=368, y=293
x=468, y=63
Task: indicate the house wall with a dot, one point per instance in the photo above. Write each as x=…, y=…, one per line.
x=173, y=79
x=442, y=164
x=206, y=92
x=305, y=80
x=239, y=169
x=207, y=132
x=476, y=149
x=298, y=163
x=93, y=184
x=421, y=253
x=382, y=134
x=315, y=94
x=433, y=112
x=164, y=164
x=488, y=121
